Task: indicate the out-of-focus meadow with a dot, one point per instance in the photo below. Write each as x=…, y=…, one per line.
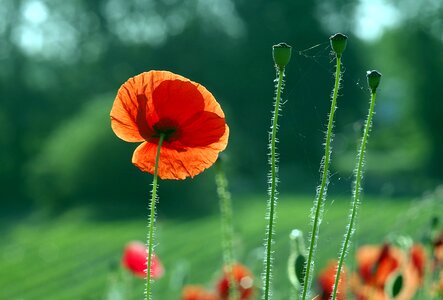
x=77, y=256
x=71, y=199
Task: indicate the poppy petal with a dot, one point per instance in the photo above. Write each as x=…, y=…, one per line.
x=326, y=280
x=125, y=112
x=194, y=292
x=178, y=163
x=134, y=259
x=173, y=96
x=244, y=283
x=210, y=127
x=179, y=99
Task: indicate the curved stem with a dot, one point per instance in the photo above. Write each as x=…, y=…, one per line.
x=227, y=228
x=321, y=195
x=152, y=217
x=356, y=195
x=273, y=184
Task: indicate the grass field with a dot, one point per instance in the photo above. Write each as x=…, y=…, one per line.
x=76, y=256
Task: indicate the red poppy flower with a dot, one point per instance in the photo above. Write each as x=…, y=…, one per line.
x=326, y=281
x=243, y=279
x=134, y=259
x=418, y=260
x=438, y=249
x=186, y=113
x=376, y=266
x=193, y=292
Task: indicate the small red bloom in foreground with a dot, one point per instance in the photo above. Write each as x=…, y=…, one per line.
x=418, y=260
x=185, y=112
x=326, y=281
x=438, y=250
x=193, y=292
x=134, y=259
x=376, y=266
x=243, y=279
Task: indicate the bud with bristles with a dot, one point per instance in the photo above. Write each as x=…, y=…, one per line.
x=282, y=55
x=297, y=259
x=338, y=43
x=373, y=80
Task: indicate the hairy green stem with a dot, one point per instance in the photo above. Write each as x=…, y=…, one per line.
x=321, y=194
x=227, y=228
x=152, y=217
x=356, y=195
x=272, y=192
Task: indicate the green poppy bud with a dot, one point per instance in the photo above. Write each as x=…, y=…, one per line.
x=435, y=220
x=394, y=285
x=338, y=43
x=373, y=79
x=297, y=259
x=282, y=55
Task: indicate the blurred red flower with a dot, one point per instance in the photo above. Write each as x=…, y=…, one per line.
x=134, y=259
x=243, y=280
x=194, y=292
x=185, y=112
x=326, y=281
x=441, y=284
x=438, y=249
x=418, y=260
x=376, y=265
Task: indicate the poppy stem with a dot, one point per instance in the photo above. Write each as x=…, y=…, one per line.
x=152, y=217
x=356, y=192
x=227, y=227
x=272, y=189
x=320, y=198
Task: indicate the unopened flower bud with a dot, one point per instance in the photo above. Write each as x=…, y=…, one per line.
x=282, y=55
x=373, y=79
x=338, y=43
x=394, y=285
x=297, y=259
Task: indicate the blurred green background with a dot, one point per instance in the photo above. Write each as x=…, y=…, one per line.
x=63, y=61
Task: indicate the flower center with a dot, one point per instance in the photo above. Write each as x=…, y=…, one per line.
x=168, y=128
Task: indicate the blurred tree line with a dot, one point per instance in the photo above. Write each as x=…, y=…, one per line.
x=63, y=61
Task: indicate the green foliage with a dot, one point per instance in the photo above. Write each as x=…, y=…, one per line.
x=82, y=162
x=73, y=161
x=105, y=42
x=75, y=256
